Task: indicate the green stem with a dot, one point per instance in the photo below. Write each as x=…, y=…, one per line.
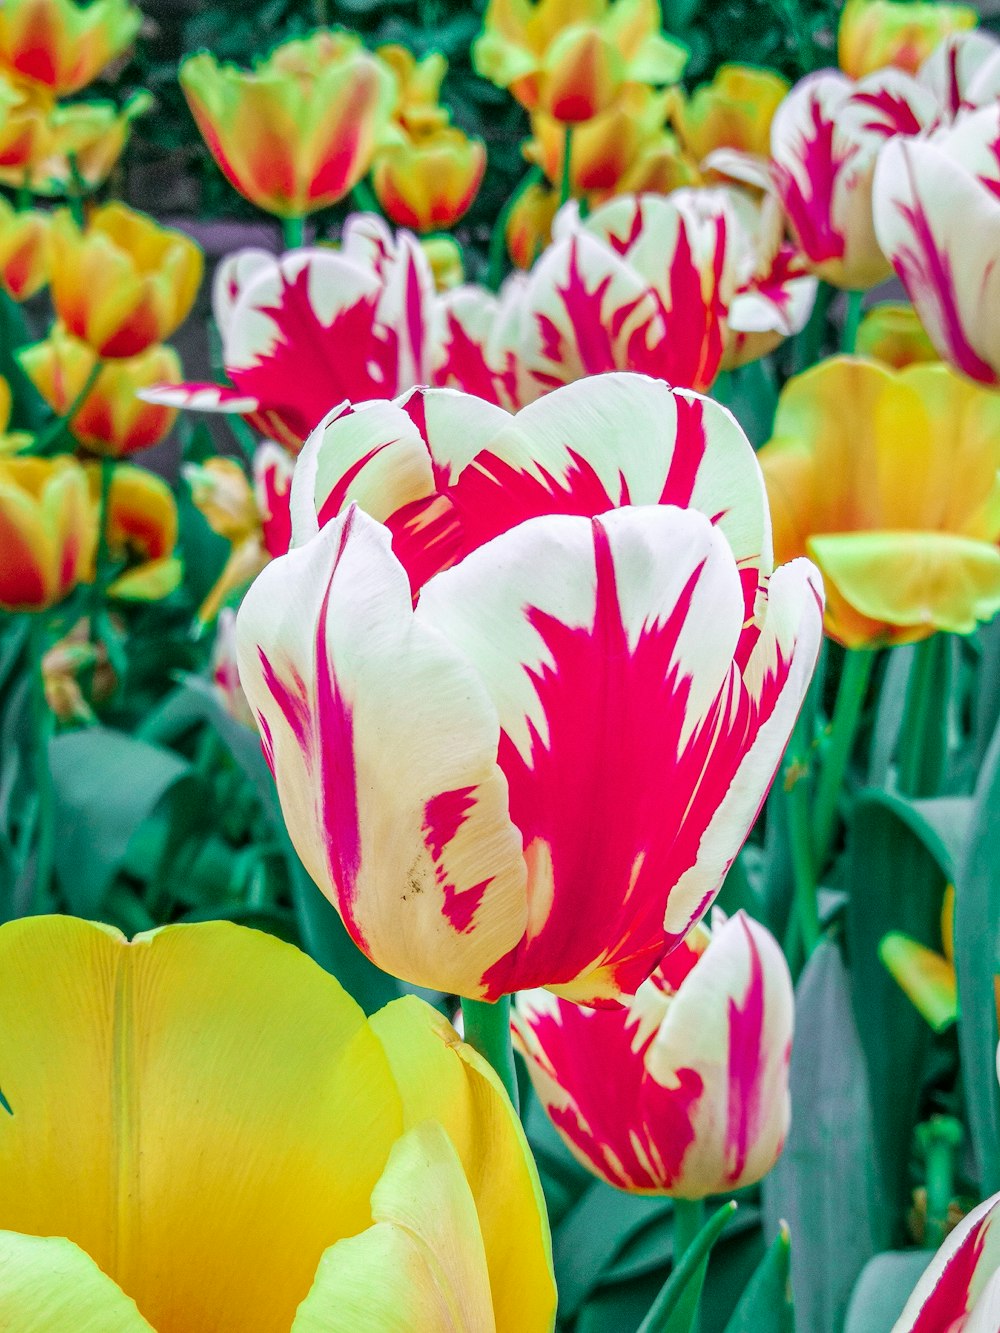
x=293, y=232
x=41, y=734
x=803, y=866
x=498, y=236
x=103, y=558
x=54, y=432
x=77, y=192
x=939, y=1139
x=365, y=198
x=853, y=687
x=689, y=1218
x=567, y=176
x=852, y=321
x=685, y=1279
x=920, y=758
x=487, y=1029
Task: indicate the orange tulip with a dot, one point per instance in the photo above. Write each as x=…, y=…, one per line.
x=300, y=130
x=735, y=110
x=875, y=33
x=24, y=251
x=61, y=46
x=48, y=531
x=111, y=419
x=124, y=282
x=429, y=182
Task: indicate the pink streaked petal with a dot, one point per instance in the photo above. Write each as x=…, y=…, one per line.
x=383, y=744
x=926, y=208
x=233, y=274
x=607, y=646
x=474, y=343
x=405, y=306
x=272, y=483
x=958, y=1275
x=200, y=397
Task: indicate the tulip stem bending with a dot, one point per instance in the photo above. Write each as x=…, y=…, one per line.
x=487, y=1030
x=41, y=734
x=851, y=692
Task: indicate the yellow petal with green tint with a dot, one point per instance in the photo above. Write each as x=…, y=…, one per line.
x=149, y=582
x=927, y=979
x=443, y=1079
x=204, y=1111
x=932, y=580
x=48, y=1285
x=422, y=1267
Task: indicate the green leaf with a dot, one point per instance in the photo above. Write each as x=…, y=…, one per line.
x=977, y=963
x=883, y=1289
x=676, y=1306
x=106, y=783
x=766, y=1305
x=896, y=886
x=826, y=1185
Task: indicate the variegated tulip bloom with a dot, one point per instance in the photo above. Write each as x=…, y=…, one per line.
x=299, y=131
x=825, y=139
x=48, y=531
x=524, y=681
x=303, y=331
x=60, y=46
x=890, y=481
x=962, y=72
x=931, y=195
x=960, y=1290
x=200, y=1129
x=872, y=34
x=685, y=1091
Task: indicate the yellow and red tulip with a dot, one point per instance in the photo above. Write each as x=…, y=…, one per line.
x=685, y=1091
x=529, y=225
x=573, y=62
x=734, y=111
x=428, y=182
x=23, y=128
x=75, y=655
x=60, y=46
x=889, y=481
x=477, y=724
x=825, y=139
x=298, y=131
x=123, y=282
x=48, y=531
x=11, y=441
x=873, y=34
x=418, y=87
x=931, y=195
x=893, y=334
x=24, y=251
x=384, y=1180
x=78, y=146
x=140, y=531
x=110, y=419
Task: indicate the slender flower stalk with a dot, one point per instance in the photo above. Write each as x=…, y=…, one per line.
x=854, y=679
x=57, y=429
x=487, y=1030
x=41, y=734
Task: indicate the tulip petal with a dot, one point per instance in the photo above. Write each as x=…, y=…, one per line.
x=383, y=743
x=920, y=581
x=200, y=397
x=131, y=1049
x=958, y=1276
x=48, y=1285
x=927, y=979
x=422, y=1267
x=28, y=578
x=443, y=1079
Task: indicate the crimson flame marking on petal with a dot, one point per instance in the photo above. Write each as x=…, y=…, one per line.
x=333, y=502
x=810, y=206
x=948, y=1302
x=464, y=365
x=746, y=1065
x=444, y=815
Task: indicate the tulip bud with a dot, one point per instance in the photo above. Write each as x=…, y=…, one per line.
x=48, y=531
x=429, y=183
x=735, y=111
x=685, y=1092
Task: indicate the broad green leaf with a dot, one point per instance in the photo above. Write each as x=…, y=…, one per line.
x=889, y=713
x=977, y=963
x=883, y=1289
x=106, y=783
x=766, y=1304
x=825, y=1185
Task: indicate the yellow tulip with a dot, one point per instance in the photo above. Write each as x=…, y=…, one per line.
x=875, y=33
x=141, y=532
x=11, y=441
x=890, y=481
x=111, y=419
x=894, y=335
x=123, y=282
x=24, y=251
x=735, y=110
x=429, y=182
x=60, y=46
x=418, y=84
x=48, y=531
x=206, y=1135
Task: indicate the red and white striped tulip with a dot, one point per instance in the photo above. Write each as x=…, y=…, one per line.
x=825, y=139
x=303, y=331
x=520, y=732
x=963, y=71
x=960, y=1290
x=685, y=1092
x=937, y=214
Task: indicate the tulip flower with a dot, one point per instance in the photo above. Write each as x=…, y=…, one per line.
x=873, y=34
x=79, y=146
x=23, y=118
x=529, y=224
x=685, y=1092
x=298, y=132
x=889, y=481
x=72, y=657
x=140, y=531
x=417, y=110
x=444, y=258
x=893, y=334
x=572, y=68
x=48, y=531
x=123, y=282
x=429, y=182
x=960, y=1290
x=825, y=139
x=110, y=419
x=734, y=111
x=927, y=978
x=963, y=71
x=24, y=251
x=931, y=196
x=60, y=46
x=571, y=732
x=475, y=343
x=11, y=441
x=205, y=1131
x=305, y=331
